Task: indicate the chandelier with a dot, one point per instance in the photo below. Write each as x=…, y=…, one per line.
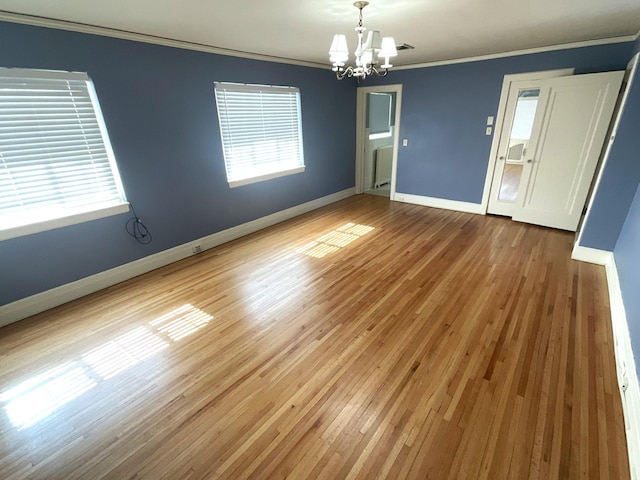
x=367, y=53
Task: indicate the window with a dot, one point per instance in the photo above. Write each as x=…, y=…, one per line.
x=261, y=131
x=379, y=119
x=56, y=163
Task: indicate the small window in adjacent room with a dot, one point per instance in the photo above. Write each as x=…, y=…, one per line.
x=379, y=115
x=261, y=130
x=56, y=163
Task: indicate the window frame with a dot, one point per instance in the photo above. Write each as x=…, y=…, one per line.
x=78, y=214
x=254, y=88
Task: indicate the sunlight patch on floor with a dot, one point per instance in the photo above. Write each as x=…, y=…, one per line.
x=39, y=396
x=182, y=322
x=335, y=240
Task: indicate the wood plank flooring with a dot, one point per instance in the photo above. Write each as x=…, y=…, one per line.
x=368, y=339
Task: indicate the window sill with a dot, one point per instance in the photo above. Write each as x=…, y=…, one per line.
x=73, y=219
x=268, y=176
x=377, y=136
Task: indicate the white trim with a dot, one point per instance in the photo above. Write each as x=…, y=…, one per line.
x=14, y=72
x=140, y=37
x=40, y=302
x=625, y=368
x=361, y=122
x=631, y=67
x=590, y=255
x=499, y=120
x=527, y=51
x=439, y=203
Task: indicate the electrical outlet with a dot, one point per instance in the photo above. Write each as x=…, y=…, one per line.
x=405, y=142
x=196, y=249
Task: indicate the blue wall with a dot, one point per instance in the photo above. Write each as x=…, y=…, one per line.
x=624, y=170
x=619, y=179
x=627, y=255
x=444, y=113
x=160, y=112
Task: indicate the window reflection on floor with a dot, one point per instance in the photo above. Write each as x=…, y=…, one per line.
x=335, y=240
x=181, y=322
x=39, y=396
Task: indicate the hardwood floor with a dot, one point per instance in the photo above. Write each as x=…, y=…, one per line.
x=367, y=340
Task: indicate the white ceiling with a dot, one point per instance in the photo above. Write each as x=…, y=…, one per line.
x=292, y=29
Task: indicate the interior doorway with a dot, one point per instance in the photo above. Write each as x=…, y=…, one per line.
x=377, y=131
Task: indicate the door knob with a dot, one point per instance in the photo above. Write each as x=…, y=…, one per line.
x=530, y=161
x=501, y=158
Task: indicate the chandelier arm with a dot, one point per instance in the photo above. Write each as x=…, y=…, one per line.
x=378, y=73
x=347, y=72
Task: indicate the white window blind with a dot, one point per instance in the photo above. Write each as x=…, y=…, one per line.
x=55, y=156
x=261, y=131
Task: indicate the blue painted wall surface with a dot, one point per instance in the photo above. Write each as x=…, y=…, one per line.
x=627, y=255
x=619, y=179
x=445, y=109
x=160, y=112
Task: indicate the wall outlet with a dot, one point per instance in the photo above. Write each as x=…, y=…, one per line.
x=405, y=142
x=489, y=130
x=196, y=249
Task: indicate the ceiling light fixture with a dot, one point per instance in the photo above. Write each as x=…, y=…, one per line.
x=366, y=53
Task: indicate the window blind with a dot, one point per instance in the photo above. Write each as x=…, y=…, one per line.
x=261, y=131
x=55, y=157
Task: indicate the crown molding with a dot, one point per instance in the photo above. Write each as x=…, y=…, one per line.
x=140, y=37
x=38, y=21
x=528, y=51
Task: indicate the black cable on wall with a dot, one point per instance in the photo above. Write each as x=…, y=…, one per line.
x=137, y=229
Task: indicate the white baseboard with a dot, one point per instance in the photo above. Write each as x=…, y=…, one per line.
x=439, y=203
x=590, y=255
x=25, y=307
x=626, y=369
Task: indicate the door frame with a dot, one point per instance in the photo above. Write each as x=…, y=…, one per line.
x=361, y=123
x=500, y=120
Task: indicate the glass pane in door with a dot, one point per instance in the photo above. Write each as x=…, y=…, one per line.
x=510, y=182
x=519, y=137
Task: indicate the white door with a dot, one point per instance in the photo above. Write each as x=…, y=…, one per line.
x=568, y=134
x=552, y=136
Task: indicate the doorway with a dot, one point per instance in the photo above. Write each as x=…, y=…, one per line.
x=548, y=145
x=377, y=131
